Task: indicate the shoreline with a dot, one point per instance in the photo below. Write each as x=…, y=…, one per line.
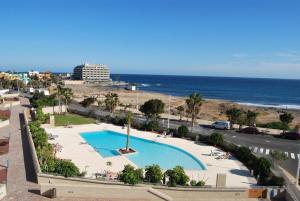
x=211, y=109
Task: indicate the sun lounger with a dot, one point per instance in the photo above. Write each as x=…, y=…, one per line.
x=214, y=153
x=52, y=137
x=224, y=156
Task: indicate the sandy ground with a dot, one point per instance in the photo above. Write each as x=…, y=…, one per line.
x=211, y=109
x=87, y=159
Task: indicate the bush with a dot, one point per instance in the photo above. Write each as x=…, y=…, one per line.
x=66, y=168
x=200, y=183
x=182, y=131
x=153, y=174
x=87, y=101
x=40, y=100
x=263, y=169
x=130, y=175
x=177, y=176
x=193, y=182
x=245, y=155
x=250, y=130
x=275, y=181
x=216, y=138
x=152, y=108
x=273, y=125
x=40, y=116
x=152, y=125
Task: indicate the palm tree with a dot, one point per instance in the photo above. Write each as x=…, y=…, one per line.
x=181, y=111
x=194, y=103
x=251, y=118
x=59, y=94
x=67, y=95
x=111, y=101
x=129, y=118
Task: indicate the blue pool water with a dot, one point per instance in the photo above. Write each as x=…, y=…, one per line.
x=149, y=152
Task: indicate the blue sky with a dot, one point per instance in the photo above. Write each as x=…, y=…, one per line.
x=248, y=38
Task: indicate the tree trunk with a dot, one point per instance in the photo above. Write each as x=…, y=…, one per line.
x=128, y=134
x=193, y=120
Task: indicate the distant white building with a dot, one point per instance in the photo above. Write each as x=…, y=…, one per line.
x=92, y=73
x=44, y=91
x=33, y=73
x=131, y=87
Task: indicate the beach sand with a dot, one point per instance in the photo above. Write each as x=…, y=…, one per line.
x=211, y=109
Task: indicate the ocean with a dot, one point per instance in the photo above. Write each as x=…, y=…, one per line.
x=278, y=93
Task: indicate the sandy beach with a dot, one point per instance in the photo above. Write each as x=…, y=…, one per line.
x=87, y=159
x=211, y=109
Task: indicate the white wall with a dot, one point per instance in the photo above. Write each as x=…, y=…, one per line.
x=49, y=110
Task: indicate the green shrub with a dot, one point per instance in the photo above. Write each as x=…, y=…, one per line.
x=200, y=183
x=216, y=138
x=262, y=168
x=152, y=125
x=275, y=181
x=40, y=100
x=177, y=176
x=66, y=168
x=273, y=125
x=193, y=182
x=153, y=174
x=245, y=155
x=152, y=108
x=182, y=131
x=130, y=175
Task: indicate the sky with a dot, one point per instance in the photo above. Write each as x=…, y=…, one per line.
x=236, y=38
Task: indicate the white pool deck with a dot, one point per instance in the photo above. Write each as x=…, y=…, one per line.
x=89, y=160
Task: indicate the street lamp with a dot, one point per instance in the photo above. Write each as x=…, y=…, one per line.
x=297, y=173
x=169, y=113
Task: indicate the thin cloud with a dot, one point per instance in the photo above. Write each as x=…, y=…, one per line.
x=240, y=55
x=293, y=55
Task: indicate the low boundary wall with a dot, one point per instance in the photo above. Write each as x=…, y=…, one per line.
x=35, y=160
x=77, y=187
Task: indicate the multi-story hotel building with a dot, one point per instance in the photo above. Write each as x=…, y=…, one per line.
x=92, y=73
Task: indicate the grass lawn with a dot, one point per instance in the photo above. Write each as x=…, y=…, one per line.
x=71, y=119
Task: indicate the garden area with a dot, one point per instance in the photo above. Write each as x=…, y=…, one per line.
x=72, y=119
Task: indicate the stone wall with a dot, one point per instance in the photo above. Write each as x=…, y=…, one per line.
x=36, y=164
x=76, y=187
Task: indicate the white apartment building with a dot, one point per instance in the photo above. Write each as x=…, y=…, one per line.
x=92, y=73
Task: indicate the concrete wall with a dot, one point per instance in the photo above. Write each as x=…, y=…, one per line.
x=2, y=191
x=10, y=104
x=49, y=110
x=9, y=95
x=76, y=187
x=4, y=123
x=36, y=164
x=73, y=82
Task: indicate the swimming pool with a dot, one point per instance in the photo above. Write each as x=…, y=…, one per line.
x=148, y=152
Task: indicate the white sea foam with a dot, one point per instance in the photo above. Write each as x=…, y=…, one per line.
x=295, y=107
x=145, y=85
